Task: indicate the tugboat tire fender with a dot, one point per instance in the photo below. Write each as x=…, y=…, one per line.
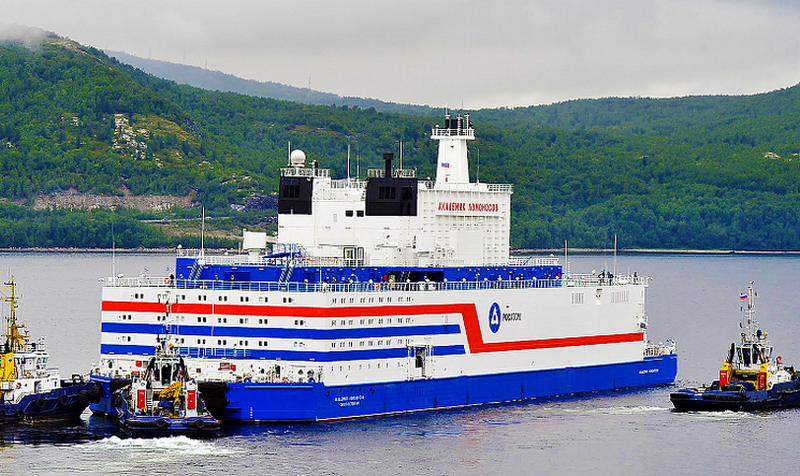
x=679, y=396
x=19, y=414
x=117, y=400
x=63, y=400
x=162, y=423
x=199, y=424
x=96, y=392
x=40, y=403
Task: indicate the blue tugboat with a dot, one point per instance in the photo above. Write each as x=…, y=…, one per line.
x=163, y=399
x=30, y=390
x=750, y=378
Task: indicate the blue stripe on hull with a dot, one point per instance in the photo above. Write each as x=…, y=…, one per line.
x=293, y=355
x=315, y=402
x=280, y=333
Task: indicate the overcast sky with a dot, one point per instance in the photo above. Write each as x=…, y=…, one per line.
x=448, y=52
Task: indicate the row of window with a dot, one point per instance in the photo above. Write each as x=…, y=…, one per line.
x=368, y=366
x=264, y=343
x=369, y=322
x=297, y=322
x=620, y=296
x=364, y=300
x=369, y=343
x=222, y=298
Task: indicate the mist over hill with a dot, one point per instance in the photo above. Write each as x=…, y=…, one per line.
x=219, y=81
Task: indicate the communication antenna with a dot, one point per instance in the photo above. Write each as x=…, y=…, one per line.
x=478, y=174
x=401, y=154
x=566, y=259
x=203, y=233
x=348, y=162
x=113, y=252
x=615, y=254
x=289, y=154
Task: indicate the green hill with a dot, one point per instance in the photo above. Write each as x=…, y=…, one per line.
x=218, y=81
x=715, y=172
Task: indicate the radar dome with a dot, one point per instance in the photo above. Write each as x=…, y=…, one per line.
x=297, y=158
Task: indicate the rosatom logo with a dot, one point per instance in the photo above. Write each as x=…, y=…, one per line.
x=494, y=318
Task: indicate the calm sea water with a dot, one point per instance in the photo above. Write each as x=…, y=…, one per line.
x=692, y=299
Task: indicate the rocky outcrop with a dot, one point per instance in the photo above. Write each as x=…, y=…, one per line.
x=73, y=200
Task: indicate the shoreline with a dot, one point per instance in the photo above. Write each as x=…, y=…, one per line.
x=579, y=251
x=515, y=252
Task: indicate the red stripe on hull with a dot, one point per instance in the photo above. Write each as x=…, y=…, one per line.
x=468, y=313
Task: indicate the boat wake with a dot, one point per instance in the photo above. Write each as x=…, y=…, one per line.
x=168, y=444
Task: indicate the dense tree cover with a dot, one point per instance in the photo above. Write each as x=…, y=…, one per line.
x=218, y=81
x=21, y=227
x=698, y=172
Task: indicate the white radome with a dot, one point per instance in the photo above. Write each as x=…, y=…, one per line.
x=297, y=158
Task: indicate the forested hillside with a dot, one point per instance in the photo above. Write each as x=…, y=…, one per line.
x=699, y=172
x=218, y=81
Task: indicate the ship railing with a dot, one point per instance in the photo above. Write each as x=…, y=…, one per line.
x=379, y=286
x=456, y=132
x=467, y=187
x=500, y=187
x=199, y=352
x=305, y=172
x=604, y=279
x=534, y=261
x=660, y=349
x=348, y=183
x=396, y=173
x=339, y=262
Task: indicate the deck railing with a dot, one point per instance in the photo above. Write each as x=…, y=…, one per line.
x=382, y=286
x=330, y=262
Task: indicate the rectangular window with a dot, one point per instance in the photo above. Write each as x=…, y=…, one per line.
x=348, y=213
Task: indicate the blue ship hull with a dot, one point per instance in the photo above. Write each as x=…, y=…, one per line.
x=65, y=403
x=297, y=402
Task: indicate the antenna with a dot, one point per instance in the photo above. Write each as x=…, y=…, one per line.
x=113, y=253
x=348, y=163
x=401, y=154
x=358, y=162
x=566, y=259
x=478, y=174
x=615, y=254
x=289, y=154
x=203, y=233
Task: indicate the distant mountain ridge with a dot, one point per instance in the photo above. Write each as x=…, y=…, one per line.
x=219, y=81
x=703, y=172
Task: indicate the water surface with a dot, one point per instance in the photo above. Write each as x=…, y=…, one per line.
x=692, y=299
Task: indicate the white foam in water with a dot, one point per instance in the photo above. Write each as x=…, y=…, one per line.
x=620, y=410
x=632, y=410
x=728, y=415
x=170, y=446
